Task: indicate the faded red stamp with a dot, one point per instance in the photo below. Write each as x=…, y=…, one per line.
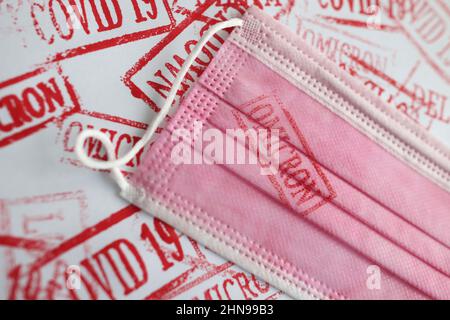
x=300, y=181
x=423, y=104
x=33, y=225
x=80, y=27
x=45, y=218
x=427, y=26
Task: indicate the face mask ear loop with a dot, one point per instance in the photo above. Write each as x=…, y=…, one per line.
x=107, y=144
x=114, y=163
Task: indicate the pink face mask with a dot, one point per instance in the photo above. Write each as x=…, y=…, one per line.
x=354, y=203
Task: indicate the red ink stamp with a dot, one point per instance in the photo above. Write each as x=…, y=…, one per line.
x=32, y=101
x=150, y=79
x=300, y=181
x=48, y=219
x=424, y=105
x=33, y=225
x=237, y=284
x=338, y=44
x=376, y=15
x=80, y=27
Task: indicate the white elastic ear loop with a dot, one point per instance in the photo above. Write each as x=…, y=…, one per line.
x=113, y=163
x=106, y=142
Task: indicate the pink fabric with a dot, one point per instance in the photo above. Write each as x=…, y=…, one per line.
x=367, y=207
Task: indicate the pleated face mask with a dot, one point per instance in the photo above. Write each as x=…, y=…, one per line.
x=287, y=167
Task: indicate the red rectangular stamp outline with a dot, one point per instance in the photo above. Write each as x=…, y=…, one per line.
x=193, y=15
x=23, y=243
x=5, y=218
x=28, y=130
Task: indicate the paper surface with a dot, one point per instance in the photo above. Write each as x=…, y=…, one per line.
x=70, y=65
